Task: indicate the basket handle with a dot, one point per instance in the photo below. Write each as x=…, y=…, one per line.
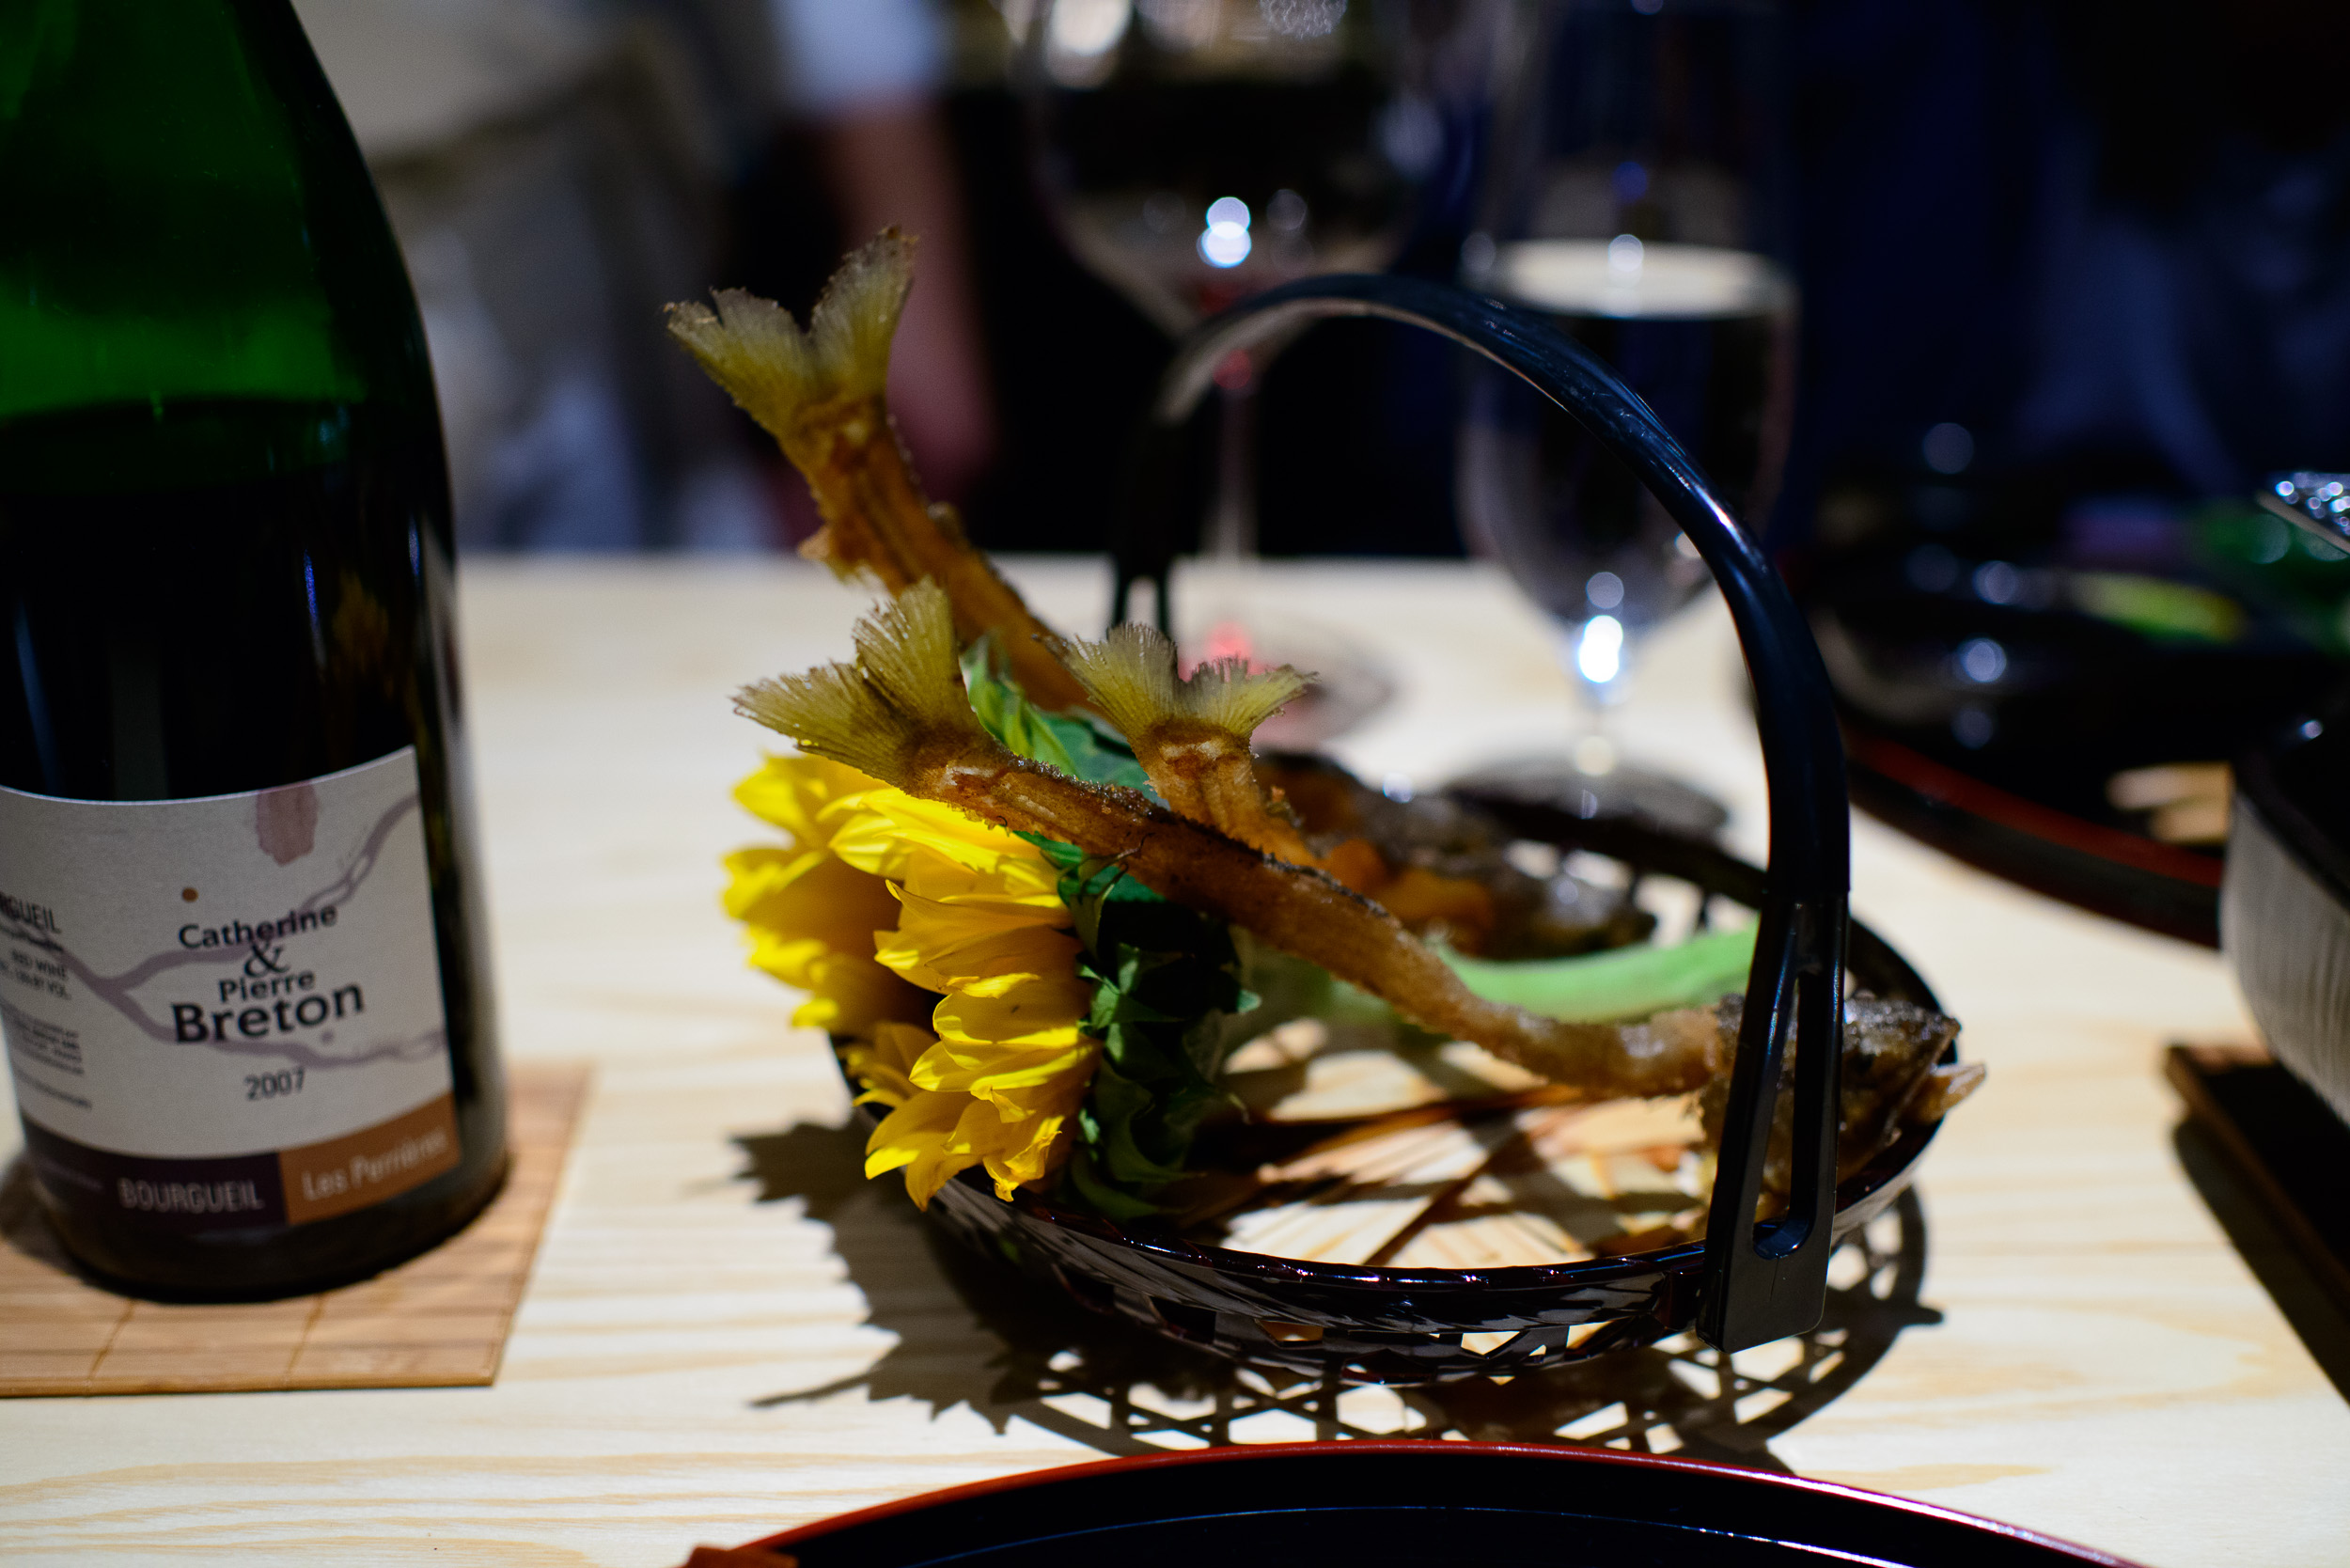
x=1762, y=1281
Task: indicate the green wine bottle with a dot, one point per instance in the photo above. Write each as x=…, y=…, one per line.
x=243, y=976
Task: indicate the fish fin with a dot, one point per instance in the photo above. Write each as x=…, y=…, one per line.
x=903, y=693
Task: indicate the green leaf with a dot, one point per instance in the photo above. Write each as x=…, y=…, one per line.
x=1075, y=743
x=1082, y=1183
x=1129, y=1117
x=1166, y=978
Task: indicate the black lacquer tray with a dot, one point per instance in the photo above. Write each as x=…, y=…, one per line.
x=1411, y=1504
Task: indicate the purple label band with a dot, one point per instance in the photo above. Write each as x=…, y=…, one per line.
x=236, y=1193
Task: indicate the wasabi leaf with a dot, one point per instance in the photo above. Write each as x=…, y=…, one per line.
x=1623, y=984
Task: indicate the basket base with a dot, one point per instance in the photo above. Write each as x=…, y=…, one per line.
x=1880, y=1262
x=966, y=1330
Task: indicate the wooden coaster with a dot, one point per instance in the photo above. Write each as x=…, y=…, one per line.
x=436, y=1321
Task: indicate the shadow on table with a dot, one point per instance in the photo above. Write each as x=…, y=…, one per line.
x=974, y=1332
x=2322, y=1326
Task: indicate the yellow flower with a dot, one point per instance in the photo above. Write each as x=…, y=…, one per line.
x=952, y=856
x=935, y=1136
x=974, y=928
x=793, y=793
x=812, y=917
x=885, y=1063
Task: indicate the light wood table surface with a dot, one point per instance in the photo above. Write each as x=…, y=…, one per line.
x=2105, y=1366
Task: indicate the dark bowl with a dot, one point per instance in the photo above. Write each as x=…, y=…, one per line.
x=1412, y=1503
x=1365, y=1324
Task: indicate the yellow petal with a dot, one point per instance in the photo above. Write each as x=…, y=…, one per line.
x=944, y=947
x=811, y=919
x=900, y=1045
x=793, y=960
x=882, y=1066
x=906, y=1131
x=933, y=1137
x=1012, y=1153
x=1046, y=1014
x=791, y=792
x=797, y=893
x=993, y=1072
x=846, y=995
x=1036, y=1158
x=853, y=996
x=940, y=852
x=934, y=1170
x=756, y=876
x=1030, y=993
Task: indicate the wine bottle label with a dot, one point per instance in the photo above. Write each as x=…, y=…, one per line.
x=227, y=1013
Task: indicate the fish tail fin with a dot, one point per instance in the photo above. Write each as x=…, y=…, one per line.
x=777, y=372
x=901, y=697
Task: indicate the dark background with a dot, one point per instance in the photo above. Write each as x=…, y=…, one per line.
x=2110, y=239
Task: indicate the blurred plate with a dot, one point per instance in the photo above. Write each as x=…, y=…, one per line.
x=1989, y=713
x=2093, y=864
x=1407, y=1503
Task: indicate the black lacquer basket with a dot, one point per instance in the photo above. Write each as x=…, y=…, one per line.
x=1748, y=1282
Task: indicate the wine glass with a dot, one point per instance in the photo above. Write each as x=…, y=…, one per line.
x=1637, y=200
x=1193, y=153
